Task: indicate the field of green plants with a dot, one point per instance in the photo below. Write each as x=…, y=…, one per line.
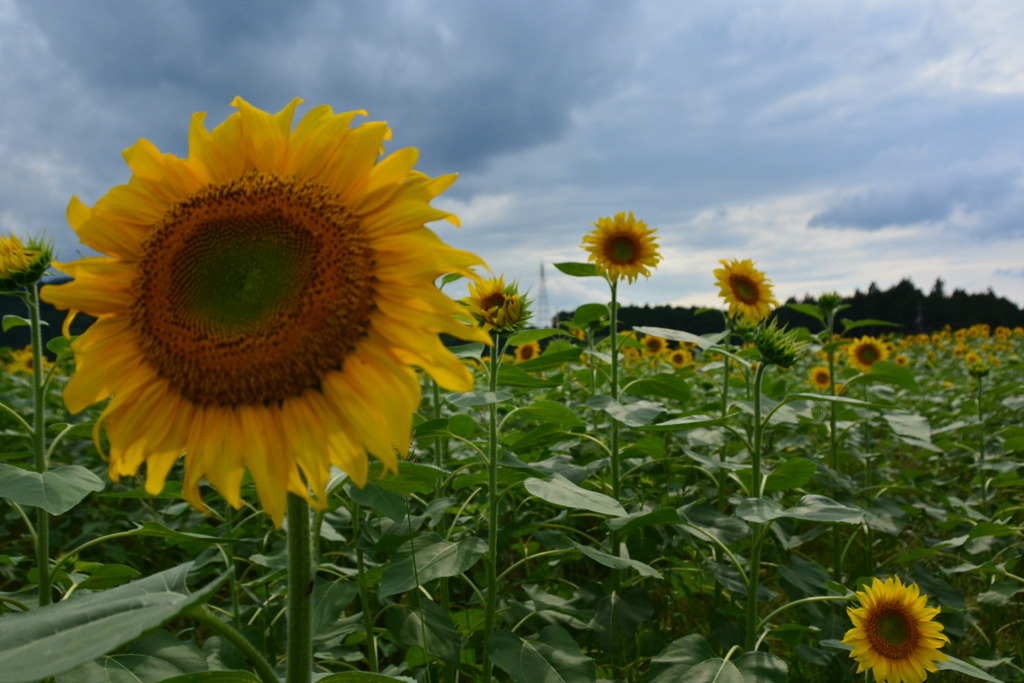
x=667, y=508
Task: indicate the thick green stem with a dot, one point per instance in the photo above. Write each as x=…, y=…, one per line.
x=833, y=440
x=491, y=607
x=981, y=451
x=300, y=589
x=723, y=474
x=758, y=531
x=39, y=445
x=364, y=593
x=263, y=669
x=616, y=464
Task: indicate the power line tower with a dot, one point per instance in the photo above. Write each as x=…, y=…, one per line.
x=543, y=307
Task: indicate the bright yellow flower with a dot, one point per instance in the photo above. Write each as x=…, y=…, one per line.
x=497, y=306
x=527, y=351
x=680, y=358
x=22, y=265
x=894, y=634
x=747, y=291
x=655, y=346
x=865, y=352
x=622, y=246
x=262, y=304
x=901, y=360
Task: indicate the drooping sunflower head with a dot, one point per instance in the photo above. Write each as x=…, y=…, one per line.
x=865, y=352
x=622, y=246
x=497, y=306
x=820, y=378
x=262, y=303
x=22, y=264
x=894, y=634
x=527, y=351
x=747, y=291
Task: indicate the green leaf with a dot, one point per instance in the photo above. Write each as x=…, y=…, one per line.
x=435, y=561
x=515, y=376
x=223, y=677
x=588, y=313
x=791, y=474
x=617, y=615
x=664, y=385
x=578, y=269
x=329, y=601
x=553, y=357
x=56, y=491
x=552, y=412
x=690, y=659
x=12, y=321
x=811, y=508
x=470, y=399
x=688, y=422
x=157, y=656
x=635, y=414
x=869, y=322
x=553, y=658
x=762, y=667
x=888, y=373
x=430, y=627
x=360, y=677
x=617, y=562
x=474, y=350
x=680, y=336
x=963, y=667
x=558, y=490
x=637, y=520
x=49, y=640
x=380, y=500
x=809, y=309
x=157, y=529
x=412, y=477
x=527, y=336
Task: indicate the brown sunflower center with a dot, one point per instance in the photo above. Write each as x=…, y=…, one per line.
x=526, y=352
x=744, y=289
x=495, y=300
x=622, y=249
x=868, y=354
x=893, y=633
x=249, y=291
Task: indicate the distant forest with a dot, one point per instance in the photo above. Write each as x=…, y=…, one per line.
x=903, y=304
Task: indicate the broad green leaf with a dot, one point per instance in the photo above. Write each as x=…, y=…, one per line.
x=361, y=677
x=474, y=350
x=553, y=658
x=578, y=269
x=388, y=503
x=56, y=491
x=588, y=313
x=680, y=336
x=637, y=414
x=527, y=336
x=158, y=530
x=551, y=411
x=762, y=667
x=221, y=677
x=809, y=309
x=515, y=376
x=637, y=520
x=618, y=562
x=960, y=666
x=157, y=656
x=469, y=399
x=889, y=373
x=49, y=640
x=427, y=626
x=553, y=357
x=812, y=508
x=412, y=477
x=558, y=490
x=433, y=562
x=679, y=658
x=617, y=616
x=688, y=422
x=329, y=600
x=791, y=474
x=12, y=321
x=664, y=385
x=869, y=322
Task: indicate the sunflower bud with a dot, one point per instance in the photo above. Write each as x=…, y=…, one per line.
x=497, y=306
x=22, y=265
x=777, y=346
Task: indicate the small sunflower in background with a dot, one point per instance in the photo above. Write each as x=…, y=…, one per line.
x=901, y=360
x=680, y=358
x=261, y=304
x=894, y=634
x=820, y=378
x=746, y=289
x=654, y=346
x=527, y=351
x=865, y=352
x=622, y=246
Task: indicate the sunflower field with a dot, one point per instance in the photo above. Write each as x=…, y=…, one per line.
x=305, y=440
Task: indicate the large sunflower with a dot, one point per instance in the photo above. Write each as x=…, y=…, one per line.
x=622, y=246
x=894, y=634
x=865, y=352
x=745, y=288
x=261, y=304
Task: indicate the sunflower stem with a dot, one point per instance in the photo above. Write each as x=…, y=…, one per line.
x=491, y=607
x=833, y=438
x=300, y=588
x=203, y=615
x=42, y=463
x=758, y=531
x=981, y=448
x=616, y=464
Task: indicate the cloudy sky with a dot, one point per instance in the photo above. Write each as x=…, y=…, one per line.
x=836, y=143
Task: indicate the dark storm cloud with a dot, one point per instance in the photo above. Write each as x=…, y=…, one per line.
x=995, y=196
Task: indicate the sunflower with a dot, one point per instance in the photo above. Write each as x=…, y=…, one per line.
x=527, y=351
x=497, y=306
x=622, y=246
x=745, y=289
x=21, y=264
x=821, y=379
x=680, y=358
x=901, y=360
x=865, y=352
x=654, y=346
x=262, y=303
x=894, y=634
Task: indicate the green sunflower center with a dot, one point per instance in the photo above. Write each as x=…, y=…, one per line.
x=744, y=289
x=622, y=249
x=250, y=291
x=894, y=634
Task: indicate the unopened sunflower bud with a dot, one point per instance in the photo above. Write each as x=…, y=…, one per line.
x=777, y=346
x=497, y=306
x=22, y=265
